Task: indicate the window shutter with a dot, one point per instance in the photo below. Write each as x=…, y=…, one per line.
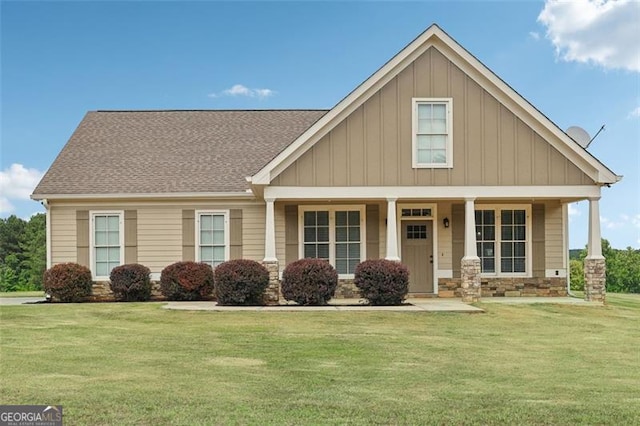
x=130, y=236
x=537, y=235
x=291, y=233
x=373, y=231
x=235, y=234
x=188, y=235
x=457, y=235
x=82, y=237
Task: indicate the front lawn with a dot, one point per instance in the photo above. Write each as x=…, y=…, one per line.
x=140, y=364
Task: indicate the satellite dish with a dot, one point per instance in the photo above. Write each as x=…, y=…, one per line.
x=579, y=135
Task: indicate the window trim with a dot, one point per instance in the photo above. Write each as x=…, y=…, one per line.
x=92, y=237
x=227, y=237
x=332, y=230
x=415, y=102
x=528, y=273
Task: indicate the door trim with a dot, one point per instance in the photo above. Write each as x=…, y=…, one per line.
x=434, y=227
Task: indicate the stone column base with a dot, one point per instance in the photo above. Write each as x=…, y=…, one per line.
x=272, y=295
x=470, y=274
x=595, y=280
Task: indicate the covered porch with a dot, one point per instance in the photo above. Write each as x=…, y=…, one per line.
x=466, y=242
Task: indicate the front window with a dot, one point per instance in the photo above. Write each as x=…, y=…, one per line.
x=333, y=234
x=107, y=242
x=212, y=238
x=502, y=240
x=432, y=133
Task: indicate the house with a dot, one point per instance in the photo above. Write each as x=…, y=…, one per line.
x=433, y=161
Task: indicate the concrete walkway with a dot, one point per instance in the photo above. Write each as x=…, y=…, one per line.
x=546, y=300
x=411, y=305
x=20, y=300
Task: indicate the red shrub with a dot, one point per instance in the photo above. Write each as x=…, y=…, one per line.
x=309, y=282
x=186, y=281
x=131, y=282
x=68, y=282
x=382, y=282
x=240, y=282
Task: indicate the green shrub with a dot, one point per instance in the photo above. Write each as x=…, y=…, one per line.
x=68, y=282
x=382, y=282
x=240, y=282
x=186, y=281
x=131, y=282
x=309, y=282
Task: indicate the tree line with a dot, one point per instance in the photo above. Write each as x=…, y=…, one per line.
x=623, y=268
x=23, y=253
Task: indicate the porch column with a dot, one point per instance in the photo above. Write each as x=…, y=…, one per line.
x=270, y=260
x=470, y=264
x=392, y=230
x=594, y=264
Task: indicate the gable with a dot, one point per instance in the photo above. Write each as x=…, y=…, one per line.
x=454, y=70
x=491, y=145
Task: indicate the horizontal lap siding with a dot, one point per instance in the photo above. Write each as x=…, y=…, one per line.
x=63, y=234
x=253, y=222
x=159, y=229
x=159, y=236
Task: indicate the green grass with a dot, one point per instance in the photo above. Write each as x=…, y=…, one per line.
x=141, y=364
x=21, y=293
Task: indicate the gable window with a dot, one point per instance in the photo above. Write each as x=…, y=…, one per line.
x=432, y=133
x=334, y=234
x=503, y=240
x=107, y=242
x=212, y=237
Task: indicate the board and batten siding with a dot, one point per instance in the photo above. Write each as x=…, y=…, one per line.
x=372, y=146
x=154, y=231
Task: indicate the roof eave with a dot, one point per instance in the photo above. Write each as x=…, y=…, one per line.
x=161, y=195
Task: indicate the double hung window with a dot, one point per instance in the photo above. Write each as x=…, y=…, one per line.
x=432, y=133
x=334, y=234
x=212, y=237
x=503, y=241
x=107, y=242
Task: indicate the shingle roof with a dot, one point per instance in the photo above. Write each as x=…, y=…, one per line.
x=136, y=152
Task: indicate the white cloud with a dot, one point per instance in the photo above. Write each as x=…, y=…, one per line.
x=17, y=183
x=241, y=90
x=635, y=113
x=603, y=32
x=534, y=35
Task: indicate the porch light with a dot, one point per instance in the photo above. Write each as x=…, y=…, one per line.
x=445, y=222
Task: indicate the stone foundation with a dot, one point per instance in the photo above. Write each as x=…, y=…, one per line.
x=507, y=287
x=595, y=280
x=272, y=295
x=470, y=281
x=101, y=292
x=346, y=289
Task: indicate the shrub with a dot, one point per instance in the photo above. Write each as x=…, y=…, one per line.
x=68, y=282
x=186, y=281
x=309, y=282
x=382, y=282
x=240, y=282
x=131, y=282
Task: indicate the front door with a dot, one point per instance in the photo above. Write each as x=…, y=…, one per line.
x=417, y=254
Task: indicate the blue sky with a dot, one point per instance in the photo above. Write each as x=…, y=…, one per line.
x=578, y=62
